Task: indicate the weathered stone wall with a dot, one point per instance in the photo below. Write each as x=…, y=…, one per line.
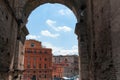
x=8, y=31
x=106, y=22
x=115, y=34
x=8, y=35
x=101, y=60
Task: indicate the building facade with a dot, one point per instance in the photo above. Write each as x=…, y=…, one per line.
x=58, y=70
x=37, y=61
x=65, y=66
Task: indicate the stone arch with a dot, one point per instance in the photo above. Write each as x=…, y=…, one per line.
x=98, y=26
x=31, y=5
x=20, y=10
x=80, y=13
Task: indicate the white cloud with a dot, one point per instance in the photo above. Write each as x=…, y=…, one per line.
x=36, y=37
x=61, y=12
x=60, y=50
x=65, y=12
x=72, y=51
x=49, y=34
x=65, y=28
x=52, y=24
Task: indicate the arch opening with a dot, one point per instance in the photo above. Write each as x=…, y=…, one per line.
x=52, y=29
x=61, y=21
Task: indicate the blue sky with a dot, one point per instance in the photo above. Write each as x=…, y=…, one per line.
x=53, y=25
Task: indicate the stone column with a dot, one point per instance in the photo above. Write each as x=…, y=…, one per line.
x=21, y=36
x=81, y=31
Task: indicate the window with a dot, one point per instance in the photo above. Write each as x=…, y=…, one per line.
x=54, y=75
x=44, y=65
x=39, y=76
x=45, y=59
x=45, y=76
x=39, y=65
x=59, y=60
x=32, y=44
x=33, y=71
x=28, y=61
x=28, y=65
x=28, y=51
x=66, y=60
x=33, y=77
x=45, y=52
x=40, y=52
x=45, y=71
x=34, y=51
x=34, y=64
x=40, y=59
x=39, y=71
